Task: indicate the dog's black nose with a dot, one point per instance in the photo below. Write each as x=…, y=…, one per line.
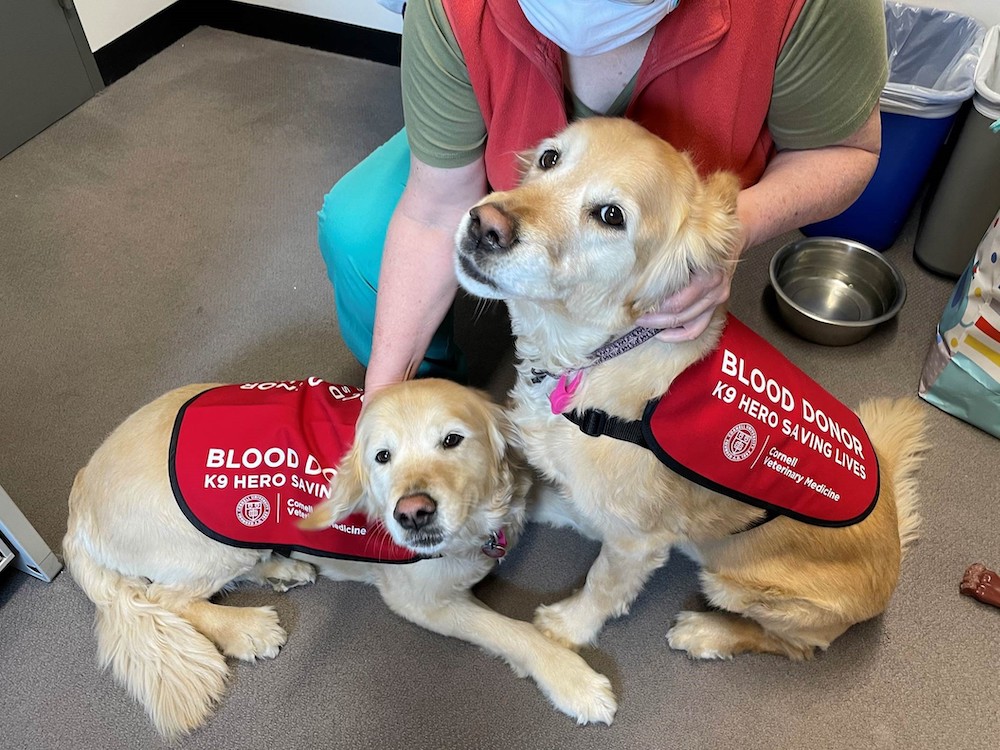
x=413, y=512
x=491, y=227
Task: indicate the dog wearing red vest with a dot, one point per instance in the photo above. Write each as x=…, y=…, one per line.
x=607, y=221
x=431, y=462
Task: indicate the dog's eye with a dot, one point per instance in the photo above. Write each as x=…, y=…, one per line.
x=382, y=457
x=610, y=215
x=548, y=159
x=452, y=439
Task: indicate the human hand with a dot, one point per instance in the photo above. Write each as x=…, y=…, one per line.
x=685, y=315
x=374, y=382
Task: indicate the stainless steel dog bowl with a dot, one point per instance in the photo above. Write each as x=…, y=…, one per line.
x=834, y=291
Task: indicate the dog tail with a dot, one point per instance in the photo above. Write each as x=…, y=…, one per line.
x=897, y=429
x=174, y=671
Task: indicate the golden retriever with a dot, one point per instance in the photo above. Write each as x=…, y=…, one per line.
x=150, y=572
x=608, y=221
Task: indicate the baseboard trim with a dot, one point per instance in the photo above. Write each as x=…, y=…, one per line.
x=126, y=53
x=132, y=49
x=305, y=31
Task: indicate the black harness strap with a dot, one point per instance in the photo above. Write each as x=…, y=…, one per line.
x=596, y=422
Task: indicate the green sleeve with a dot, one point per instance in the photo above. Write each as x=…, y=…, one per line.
x=829, y=74
x=444, y=125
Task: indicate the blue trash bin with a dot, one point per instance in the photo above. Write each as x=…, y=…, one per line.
x=932, y=61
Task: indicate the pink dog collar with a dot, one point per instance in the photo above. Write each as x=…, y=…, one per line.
x=569, y=381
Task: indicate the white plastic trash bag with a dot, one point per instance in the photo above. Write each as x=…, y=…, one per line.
x=396, y=6
x=987, y=98
x=932, y=60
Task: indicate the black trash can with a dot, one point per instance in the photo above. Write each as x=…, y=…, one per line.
x=965, y=200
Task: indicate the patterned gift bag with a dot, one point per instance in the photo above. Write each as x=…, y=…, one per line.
x=962, y=372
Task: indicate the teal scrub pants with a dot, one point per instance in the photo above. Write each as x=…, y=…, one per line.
x=353, y=223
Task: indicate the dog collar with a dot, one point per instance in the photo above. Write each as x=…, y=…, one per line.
x=496, y=545
x=569, y=381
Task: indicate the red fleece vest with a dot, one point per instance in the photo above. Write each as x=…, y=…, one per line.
x=747, y=423
x=248, y=461
x=704, y=85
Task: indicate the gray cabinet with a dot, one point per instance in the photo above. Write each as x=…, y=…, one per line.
x=46, y=67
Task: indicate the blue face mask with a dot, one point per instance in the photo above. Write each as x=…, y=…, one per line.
x=591, y=27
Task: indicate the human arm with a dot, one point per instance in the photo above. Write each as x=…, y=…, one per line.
x=798, y=187
x=446, y=135
x=825, y=122
x=417, y=282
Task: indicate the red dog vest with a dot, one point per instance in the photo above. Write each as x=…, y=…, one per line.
x=748, y=423
x=248, y=461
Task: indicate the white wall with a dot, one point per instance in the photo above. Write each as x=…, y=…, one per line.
x=106, y=20
x=356, y=12
x=987, y=11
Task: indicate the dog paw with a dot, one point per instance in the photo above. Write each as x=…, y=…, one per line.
x=722, y=635
x=557, y=624
x=259, y=636
x=584, y=694
x=283, y=573
x=699, y=634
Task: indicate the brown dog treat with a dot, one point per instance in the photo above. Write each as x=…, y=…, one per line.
x=981, y=583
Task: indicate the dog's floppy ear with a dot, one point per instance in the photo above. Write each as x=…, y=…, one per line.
x=347, y=493
x=503, y=435
x=704, y=241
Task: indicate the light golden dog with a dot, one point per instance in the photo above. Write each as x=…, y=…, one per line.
x=151, y=573
x=608, y=221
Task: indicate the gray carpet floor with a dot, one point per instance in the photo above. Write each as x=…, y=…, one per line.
x=164, y=233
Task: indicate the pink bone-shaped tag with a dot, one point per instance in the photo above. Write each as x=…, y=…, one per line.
x=563, y=393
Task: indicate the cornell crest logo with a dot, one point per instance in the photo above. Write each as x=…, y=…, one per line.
x=253, y=510
x=739, y=442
